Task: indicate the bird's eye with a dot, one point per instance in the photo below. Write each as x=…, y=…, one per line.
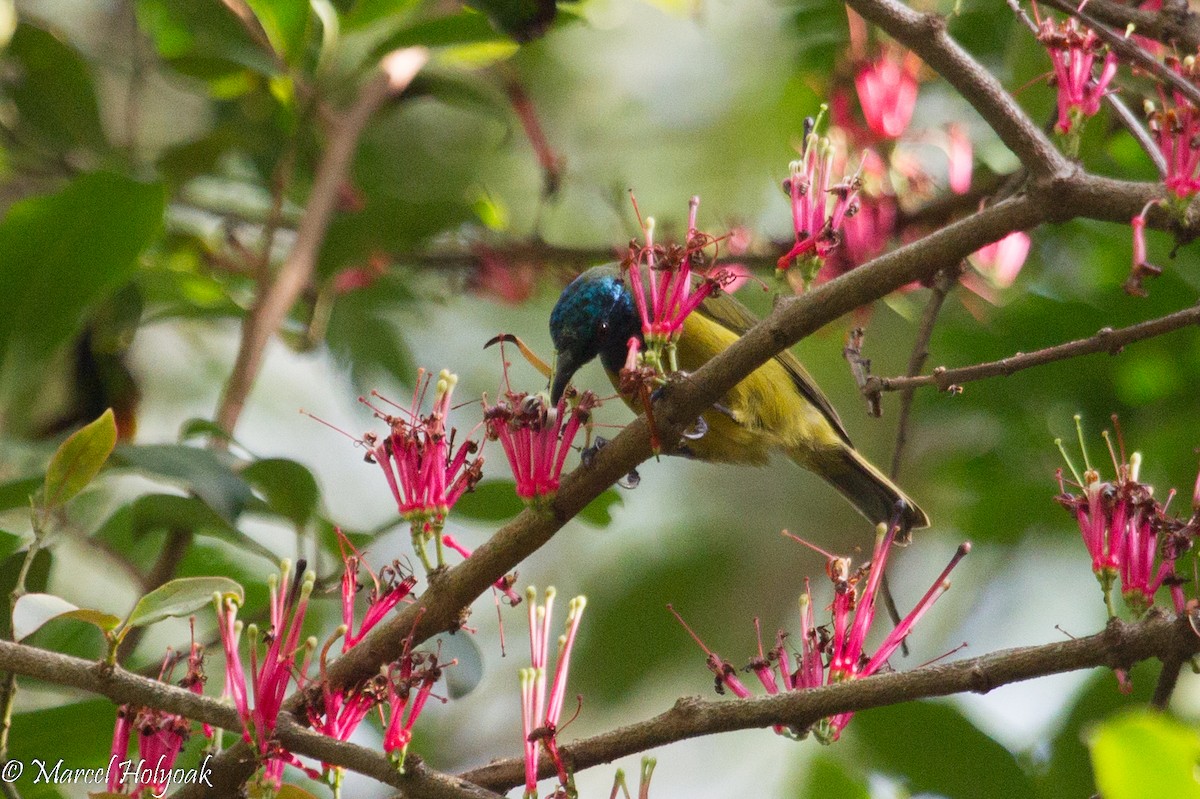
x=602, y=328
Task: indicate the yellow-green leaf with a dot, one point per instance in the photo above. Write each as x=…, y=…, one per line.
x=33, y=610
x=1144, y=754
x=79, y=460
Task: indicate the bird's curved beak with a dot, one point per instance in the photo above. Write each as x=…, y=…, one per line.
x=565, y=366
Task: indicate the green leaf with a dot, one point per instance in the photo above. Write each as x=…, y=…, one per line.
x=202, y=471
x=17, y=493
x=59, y=255
x=1146, y=754
x=170, y=512
x=10, y=543
x=931, y=744
x=79, y=733
x=290, y=791
x=79, y=460
x=202, y=39
x=599, y=510
x=286, y=23
x=466, y=27
x=827, y=777
x=491, y=501
x=33, y=610
x=197, y=427
x=181, y=597
x=53, y=92
x=523, y=20
x=290, y=488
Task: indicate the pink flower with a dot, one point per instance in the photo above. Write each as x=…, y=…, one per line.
x=817, y=225
x=961, y=158
x=887, y=92
x=999, y=262
x=1126, y=531
x=539, y=719
x=1175, y=127
x=424, y=472
x=834, y=653
x=668, y=272
x=1142, y=268
x=504, y=585
x=1073, y=50
x=160, y=734
x=536, y=438
x=408, y=683
x=388, y=588
x=271, y=671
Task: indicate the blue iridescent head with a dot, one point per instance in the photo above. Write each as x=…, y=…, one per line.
x=595, y=315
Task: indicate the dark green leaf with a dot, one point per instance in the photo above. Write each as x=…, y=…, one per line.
x=181, y=597
x=59, y=254
x=523, y=20
x=196, y=427
x=80, y=458
x=290, y=488
x=170, y=512
x=1143, y=754
x=9, y=543
x=17, y=493
x=202, y=471
x=937, y=750
x=53, y=92
x=827, y=777
x=491, y=501
x=35, y=580
x=79, y=733
x=599, y=510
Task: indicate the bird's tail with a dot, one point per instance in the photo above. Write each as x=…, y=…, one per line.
x=875, y=496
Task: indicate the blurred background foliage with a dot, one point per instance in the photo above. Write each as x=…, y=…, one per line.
x=150, y=147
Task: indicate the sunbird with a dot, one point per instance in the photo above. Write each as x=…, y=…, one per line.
x=777, y=407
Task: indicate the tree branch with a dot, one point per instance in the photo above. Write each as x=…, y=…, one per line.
x=1120, y=645
x=1181, y=29
x=1106, y=340
x=124, y=687
x=272, y=305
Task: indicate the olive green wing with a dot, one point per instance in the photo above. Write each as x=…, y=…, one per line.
x=731, y=314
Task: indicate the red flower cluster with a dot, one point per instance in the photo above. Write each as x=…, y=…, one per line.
x=1074, y=50
x=424, y=471
x=832, y=655
x=1126, y=530
x=160, y=735
x=536, y=438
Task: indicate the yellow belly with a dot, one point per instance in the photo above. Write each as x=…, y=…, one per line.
x=763, y=412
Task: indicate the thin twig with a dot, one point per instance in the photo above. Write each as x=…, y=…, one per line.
x=1172, y=664
x=860, y=369
x=1138, y=131
x=272, y=306
x=1106, y=340
x=942, y=284
x=1120, y=645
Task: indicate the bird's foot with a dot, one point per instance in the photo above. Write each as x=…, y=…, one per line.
x=588, y=456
